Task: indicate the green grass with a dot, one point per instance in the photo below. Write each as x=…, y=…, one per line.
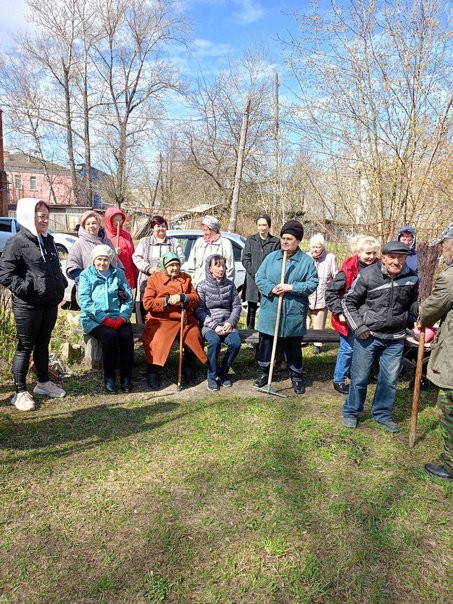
x=236, y=497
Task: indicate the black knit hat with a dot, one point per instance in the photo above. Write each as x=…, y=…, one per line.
x=265, y=217
x=293, y=227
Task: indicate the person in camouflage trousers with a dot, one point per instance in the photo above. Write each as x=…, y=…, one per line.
x=445, y=403
x=439, y=306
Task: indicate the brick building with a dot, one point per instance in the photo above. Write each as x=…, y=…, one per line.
x=28, y=176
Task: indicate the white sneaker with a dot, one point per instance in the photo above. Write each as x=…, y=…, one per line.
x=49, y=389
x=23, y=401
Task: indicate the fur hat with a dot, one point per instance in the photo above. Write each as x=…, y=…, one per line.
x=293, y=227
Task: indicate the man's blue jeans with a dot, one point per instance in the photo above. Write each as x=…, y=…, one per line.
x=214, y=341
x=389, y=353
x=344, y=358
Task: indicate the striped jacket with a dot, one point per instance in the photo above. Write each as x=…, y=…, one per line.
x=379, y=304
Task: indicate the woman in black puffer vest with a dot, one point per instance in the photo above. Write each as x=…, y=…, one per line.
x=218, y=313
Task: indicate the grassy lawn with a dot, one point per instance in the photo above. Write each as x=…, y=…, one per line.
x=230, y=497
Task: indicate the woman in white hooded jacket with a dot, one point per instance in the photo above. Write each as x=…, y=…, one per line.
x=30, y=269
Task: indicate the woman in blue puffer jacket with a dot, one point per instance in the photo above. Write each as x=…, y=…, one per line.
x=105, y=310
x=218, y=313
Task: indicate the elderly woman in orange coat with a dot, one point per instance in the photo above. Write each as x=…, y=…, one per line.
x=167, y=292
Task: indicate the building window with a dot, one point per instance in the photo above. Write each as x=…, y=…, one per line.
x=17, y=181
x=33, y=186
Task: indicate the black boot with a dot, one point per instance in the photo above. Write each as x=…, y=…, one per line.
x=152, y=377
x=261, y=381
x=126, y=384
x=298, y=386
x=189, y=373
x=109, y=385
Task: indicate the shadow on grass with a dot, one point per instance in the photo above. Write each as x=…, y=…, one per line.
x=243, y=515
x=83, y=428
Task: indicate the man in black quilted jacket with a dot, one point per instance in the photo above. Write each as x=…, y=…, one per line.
x=376, y=308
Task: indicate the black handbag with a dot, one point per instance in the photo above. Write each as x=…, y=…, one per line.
x=122, y=295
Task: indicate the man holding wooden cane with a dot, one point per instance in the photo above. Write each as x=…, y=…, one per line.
x=439, y=306
x=299, y=280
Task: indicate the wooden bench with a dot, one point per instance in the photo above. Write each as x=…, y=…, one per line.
x=250, y=336
x=93, y=348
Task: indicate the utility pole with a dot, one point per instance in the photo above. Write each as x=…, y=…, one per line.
x=277, y=184
x=3, y=178
x=239, y=164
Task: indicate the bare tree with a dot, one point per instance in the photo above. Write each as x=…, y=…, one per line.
x=375, y=104
x=53, y=49
x=22, y=96
x=211, y=141
x=136, y=75
x=105, y=75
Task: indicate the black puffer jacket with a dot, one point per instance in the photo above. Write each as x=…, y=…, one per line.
x=379, y=304
x=219, y=302
x=31, y=271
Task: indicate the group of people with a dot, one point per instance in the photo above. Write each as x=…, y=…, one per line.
x=371, y=300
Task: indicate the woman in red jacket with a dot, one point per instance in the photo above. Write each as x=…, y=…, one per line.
x=367, y=249
x=114, y=219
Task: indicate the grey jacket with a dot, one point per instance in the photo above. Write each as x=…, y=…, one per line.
x=439, y=306
x=79, y=257
x=201, y=250
x=147, y=255
x=219, y=302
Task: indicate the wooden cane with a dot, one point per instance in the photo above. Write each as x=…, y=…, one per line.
x=277, y=323
x=181, y=330
x=417, y=384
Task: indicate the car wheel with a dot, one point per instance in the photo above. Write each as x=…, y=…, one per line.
x=62, y=251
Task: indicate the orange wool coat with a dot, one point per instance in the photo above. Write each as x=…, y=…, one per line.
x=162, y=323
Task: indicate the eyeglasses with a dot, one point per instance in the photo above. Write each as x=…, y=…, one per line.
x=42, y=217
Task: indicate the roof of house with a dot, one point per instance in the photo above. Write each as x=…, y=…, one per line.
x=24, y=162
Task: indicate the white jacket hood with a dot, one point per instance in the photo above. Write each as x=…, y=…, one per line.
x=25, y=214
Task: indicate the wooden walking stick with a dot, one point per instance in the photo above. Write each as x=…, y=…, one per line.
x=118, y=228
x=427, y=262
x=417, y=384
x=269, y=390
x=181, y=344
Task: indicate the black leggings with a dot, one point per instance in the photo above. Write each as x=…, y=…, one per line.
x=122, y=340
x=34, y=328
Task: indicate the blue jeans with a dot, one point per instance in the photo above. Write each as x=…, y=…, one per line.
x=344, y=358
x=389, y=353
x=214, y=342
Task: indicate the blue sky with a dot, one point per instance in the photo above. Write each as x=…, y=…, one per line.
x=219, y=26
x=237, y=23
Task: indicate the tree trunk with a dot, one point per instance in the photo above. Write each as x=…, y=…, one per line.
x=239, y=164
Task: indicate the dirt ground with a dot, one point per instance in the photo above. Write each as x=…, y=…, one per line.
x=88, y=382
